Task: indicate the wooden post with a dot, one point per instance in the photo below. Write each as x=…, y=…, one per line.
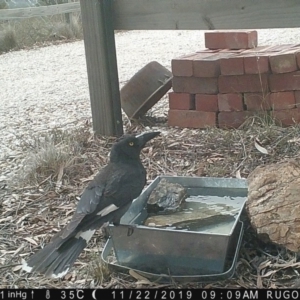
x=100, y=51
x=68, y=16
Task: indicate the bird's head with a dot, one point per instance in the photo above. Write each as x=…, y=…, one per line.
x=129, y=146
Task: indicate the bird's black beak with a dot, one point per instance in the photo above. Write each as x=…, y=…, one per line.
x=143, y=138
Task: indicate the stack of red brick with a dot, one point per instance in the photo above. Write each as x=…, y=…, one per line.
x=233, y=79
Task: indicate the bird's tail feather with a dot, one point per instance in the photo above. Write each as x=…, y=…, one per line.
x=55, y=259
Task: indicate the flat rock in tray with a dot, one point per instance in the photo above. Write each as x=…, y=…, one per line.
x=188, y=218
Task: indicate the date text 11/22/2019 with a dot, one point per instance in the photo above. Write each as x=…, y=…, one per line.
x=216, y=294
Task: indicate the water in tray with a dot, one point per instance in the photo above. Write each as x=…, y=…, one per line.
x=210, y=210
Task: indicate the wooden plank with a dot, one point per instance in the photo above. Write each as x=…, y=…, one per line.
x=206, y=14
x=184, y=14
x=102, y=66
x=24, y=13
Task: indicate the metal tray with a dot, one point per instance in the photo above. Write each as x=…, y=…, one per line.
x=168, y=278
x=161, y=252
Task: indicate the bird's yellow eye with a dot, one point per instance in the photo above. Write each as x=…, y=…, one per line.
x=131, y=143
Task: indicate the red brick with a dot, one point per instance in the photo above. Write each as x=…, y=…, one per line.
x=282, y=100
x=205, y=102
x=284, y=47
x=232, y=51
x=206, y=50
x=258, y=49
x=207, y=67
x=230, y=102
x=296, y=46
x=242, y=39
x=194, y=85
x=298, y=59
x=279, y=48
x=284, y=82
x=181, y=101
x=233, y=119
x=283, y=62
x=265, y=49
x=183, y=66
x=232, y=65
x=203, y=55
x=257, y=101
x=256, y=63
x=191, y=118
x=286, y=117
x=297, y=98
x=243, y=83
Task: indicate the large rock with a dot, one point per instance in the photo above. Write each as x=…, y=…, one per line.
x=166, y=197
x=273, y=203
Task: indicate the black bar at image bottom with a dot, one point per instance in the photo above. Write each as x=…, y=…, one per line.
x=149, y=294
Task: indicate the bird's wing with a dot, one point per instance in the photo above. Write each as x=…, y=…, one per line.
x=90, y=199
x=100, y=198
x=125, y=186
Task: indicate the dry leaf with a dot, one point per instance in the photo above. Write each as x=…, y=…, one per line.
x=87, y=179
x=69, y=212
x=259, y=282
x=30, y=240
x=151, y=151
x=18, y=250
x=269, y=273
x=137, y=276
x=238, y=174
x=294, y=140
x=17, y=268
x=214, y=158
x=59, y=177
x=259, y=147
x=23, y=218
x=68, y=276
x=173, y=144
x=6, y=219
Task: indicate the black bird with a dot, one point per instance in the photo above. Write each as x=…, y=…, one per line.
x=106, y=199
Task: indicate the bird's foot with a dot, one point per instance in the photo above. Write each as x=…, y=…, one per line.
x=131, y=229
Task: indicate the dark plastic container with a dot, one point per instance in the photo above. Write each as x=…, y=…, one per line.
x=144, y=89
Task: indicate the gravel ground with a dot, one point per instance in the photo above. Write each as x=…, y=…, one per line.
x=44, y=88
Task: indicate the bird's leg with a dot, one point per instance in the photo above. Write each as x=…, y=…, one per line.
x=105, y=230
